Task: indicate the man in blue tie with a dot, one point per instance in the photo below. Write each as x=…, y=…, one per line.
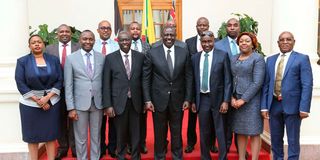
x=212, y=80
x=287, y=94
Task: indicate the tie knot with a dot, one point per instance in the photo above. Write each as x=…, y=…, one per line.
x=168, y=51
x=283, y=55
x=126, y=55
x=206, y=54
x=64, y=45
x=233, y=41
x=88, y=54
x=104, y=43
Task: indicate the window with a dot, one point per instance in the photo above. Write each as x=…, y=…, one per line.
x=131, y=10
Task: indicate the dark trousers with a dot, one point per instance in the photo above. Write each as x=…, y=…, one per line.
x=127, y=128
x=67, y=135
x=160, y=123
x=207, y=117
x=112, y=137
x=192, y=133
x=292, y=122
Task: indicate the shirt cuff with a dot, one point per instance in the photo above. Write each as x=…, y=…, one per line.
x=264, y=110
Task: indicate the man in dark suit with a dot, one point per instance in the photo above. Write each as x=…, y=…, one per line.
x=140, y=46
x=229, y=45
x=122, y=94
x=194, y=46
x=287, y=94
x=62, y=49
x=212, y=86
x=167, y=88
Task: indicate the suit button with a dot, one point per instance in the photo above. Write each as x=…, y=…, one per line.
x=169, y=92
x=170, y=83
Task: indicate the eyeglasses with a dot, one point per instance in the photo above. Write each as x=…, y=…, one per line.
x=105, y=28
x=207, y=33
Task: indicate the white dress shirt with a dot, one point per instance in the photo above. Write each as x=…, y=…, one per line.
x=68, y=48
x=139, y=44
x=84, y=56
x=209, y=69
x=124, y=57
x=171, y=53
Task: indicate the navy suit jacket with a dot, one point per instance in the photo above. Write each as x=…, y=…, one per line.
x=220, y=80
x=296, y=85
x=27, y=79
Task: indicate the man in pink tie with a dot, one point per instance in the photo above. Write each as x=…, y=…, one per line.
x=62, y=49
x=105, y=45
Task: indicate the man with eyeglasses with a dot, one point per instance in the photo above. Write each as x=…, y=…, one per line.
x=105, y=45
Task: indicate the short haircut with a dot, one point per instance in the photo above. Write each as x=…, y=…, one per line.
x=252, y=37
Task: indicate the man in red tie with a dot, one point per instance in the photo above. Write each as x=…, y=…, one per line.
x=105, y=45
x=62, y=49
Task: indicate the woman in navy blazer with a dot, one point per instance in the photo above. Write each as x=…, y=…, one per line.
x=39, y=80
x=248, y=70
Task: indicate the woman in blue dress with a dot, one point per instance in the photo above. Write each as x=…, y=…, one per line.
x=248, y=70
x=39, y=79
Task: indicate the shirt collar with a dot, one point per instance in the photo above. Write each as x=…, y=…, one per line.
x=287, y=53
x=230, y=39
x=61, y=44
x=166, y=48
x=123, y=54
x=101, y=40
x=210, y=53
x=83, y=52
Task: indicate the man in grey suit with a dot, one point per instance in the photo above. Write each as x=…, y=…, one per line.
x=140, y=46
x=171, y=23
x=122, y=94
x=167, y=89
x=63, y=48
x=83, y=85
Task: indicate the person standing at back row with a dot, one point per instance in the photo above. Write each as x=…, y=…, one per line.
x=287, y=94
x=105, y=45
x=61, y=50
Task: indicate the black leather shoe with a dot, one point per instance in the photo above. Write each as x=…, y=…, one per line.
x=213, y=149
x=129, y=150
x=189, y=149
x=247, y=155
x=60, y=155
x=143, y=149
x=112, y=154
x=74, y=155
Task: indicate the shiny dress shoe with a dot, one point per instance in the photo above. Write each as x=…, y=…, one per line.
x=189, y=149
x=213, y=149
x=129, y=151
x=143, y=149
x=60, y=155
x=112, y=154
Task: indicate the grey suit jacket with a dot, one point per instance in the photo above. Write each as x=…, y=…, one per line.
x=79, y=87
x=224, y=45
x=248, y=75
x=53, y=49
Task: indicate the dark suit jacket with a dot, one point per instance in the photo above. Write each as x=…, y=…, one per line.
x=220, y=80
x=158, y=85
x=53, y=49
x=116, y=83
x=145, y=47
x=296, y=85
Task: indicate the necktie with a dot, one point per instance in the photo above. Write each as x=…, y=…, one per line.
x=104, y=49
x=136, y=46
x=64, y=55
x=89, y=65
x=199, y=47
x=277, y=86
x=128, y=71
x=169, y=61
x=205, y=73
x=234, y=49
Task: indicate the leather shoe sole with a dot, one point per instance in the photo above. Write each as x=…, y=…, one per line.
x=189, y=149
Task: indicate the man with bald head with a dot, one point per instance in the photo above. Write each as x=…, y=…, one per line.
x=171, y=23
x=62, y=49
x=105, y=45
x=287, y=94
x=194, y=46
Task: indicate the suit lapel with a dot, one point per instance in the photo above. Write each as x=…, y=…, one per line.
x=163, y=60
x=133, y=63
x=176, y=62
x=81, y=63
x=197, y=69
x=213, y=63
x=289, y=63
x=120, y=62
